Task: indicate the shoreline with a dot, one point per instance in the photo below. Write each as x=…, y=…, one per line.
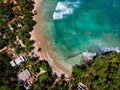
x=40, y=39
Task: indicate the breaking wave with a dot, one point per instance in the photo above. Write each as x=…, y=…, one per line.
x=65, y=8
x=91, y=55
x=116, y=49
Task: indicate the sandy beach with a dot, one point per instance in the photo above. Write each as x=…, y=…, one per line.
x=38, y=35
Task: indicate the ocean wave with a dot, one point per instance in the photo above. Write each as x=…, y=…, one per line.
x=65, y=8
x=91, y=55
x=116, y=49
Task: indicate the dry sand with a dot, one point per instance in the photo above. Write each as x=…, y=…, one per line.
x=38, y=35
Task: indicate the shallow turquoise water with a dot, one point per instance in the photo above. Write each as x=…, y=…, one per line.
x=84, y=25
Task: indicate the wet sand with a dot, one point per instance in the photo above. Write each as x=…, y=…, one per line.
x=38, y=35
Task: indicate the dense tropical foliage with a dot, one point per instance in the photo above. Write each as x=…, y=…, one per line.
x=103, y=73
x=16, y=20
x=8, y=79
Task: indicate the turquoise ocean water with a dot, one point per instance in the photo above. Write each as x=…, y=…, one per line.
x=76, y=26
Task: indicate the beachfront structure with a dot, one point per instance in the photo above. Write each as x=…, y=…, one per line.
x=81, y=86
x=25, y=78
x=24, y=75
x=17, y=61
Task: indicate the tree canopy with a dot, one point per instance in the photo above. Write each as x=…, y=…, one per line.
x=8, y=79
x=103, y=73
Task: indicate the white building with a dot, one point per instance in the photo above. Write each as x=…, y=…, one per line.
x=81, y=86
x=17, y=61
x=25, y=78
x=24, y=75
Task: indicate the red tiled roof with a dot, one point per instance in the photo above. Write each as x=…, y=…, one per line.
x=31, y=80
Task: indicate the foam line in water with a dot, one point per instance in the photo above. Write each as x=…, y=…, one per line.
x=116, y=49
x=64, y=8
x=89, y=55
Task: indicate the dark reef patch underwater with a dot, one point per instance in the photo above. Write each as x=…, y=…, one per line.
x=77, y=26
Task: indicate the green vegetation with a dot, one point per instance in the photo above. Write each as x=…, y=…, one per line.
x=45, y=66
x=25, y=21
x=8, y=75
x=61, y=85
x=103, y=73
x=44, y=82
x=8, y=79
x=19, y=49
x=16, y=20
x=35, y=68
x=6, y=36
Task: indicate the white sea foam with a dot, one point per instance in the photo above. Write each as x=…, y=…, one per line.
x=64, y=8
x=116, y=49
x=89, y=55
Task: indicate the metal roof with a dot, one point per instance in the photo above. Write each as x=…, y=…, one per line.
x=18, y=61
x=21, y=57
x=12, y=63
x=24, y=75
